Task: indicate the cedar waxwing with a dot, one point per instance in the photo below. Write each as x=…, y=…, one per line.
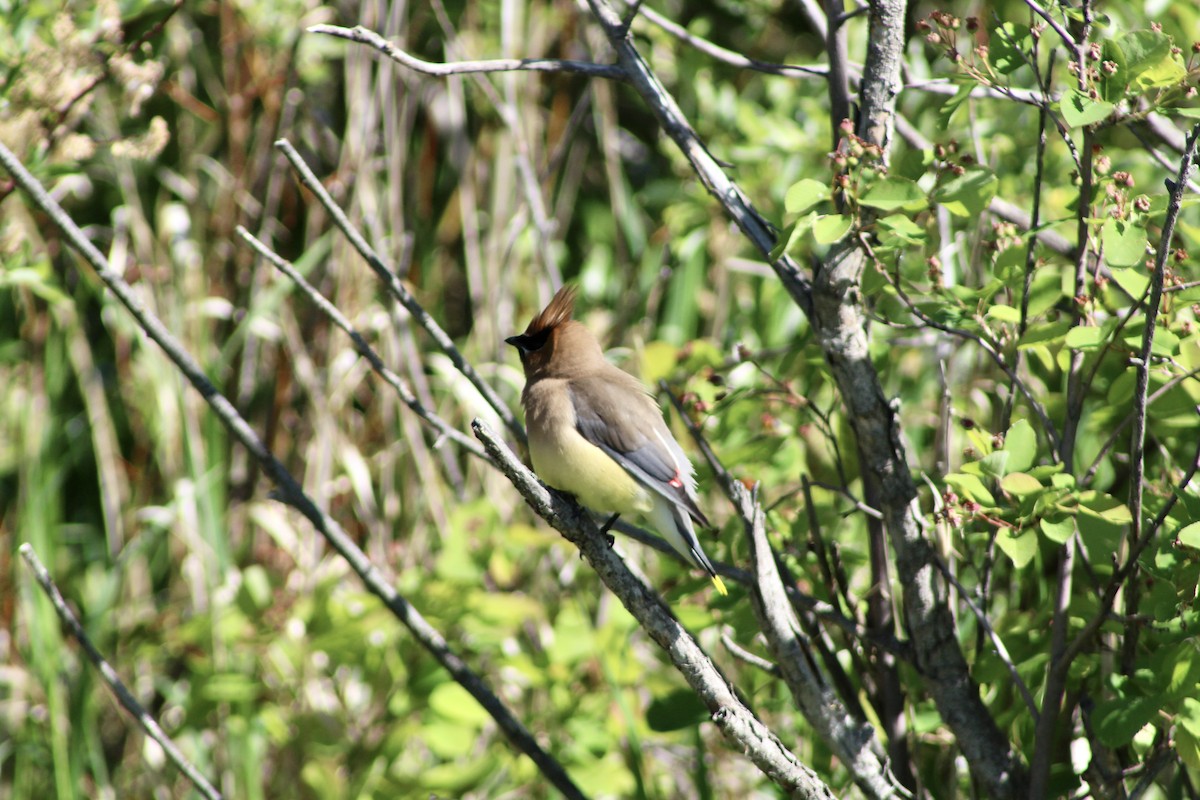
x=595, y=432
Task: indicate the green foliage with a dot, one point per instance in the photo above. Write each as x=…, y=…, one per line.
x=267, y=663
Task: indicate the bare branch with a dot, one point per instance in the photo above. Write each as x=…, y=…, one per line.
x=736, y=722
x=365, y=36
x=399, y=291
x=668, y=114
x=290, y=490
x=1054, y=24
x=110, y=677
x=853, y=741
x=839, y=322
x=725, y=55
x=398, y=384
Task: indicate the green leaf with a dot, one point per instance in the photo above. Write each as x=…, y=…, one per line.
x=1189, y=715
x=1187, y=744
x=1124, y=243
x=1044, y=332
x=951, y=107
x=1020, y=484
x=970, y=486
x=804, y=194
x=1190, y=536
x=903, y=228
x=1117, y=720
x=1020, y=547
x=994, y=465
x=1078, y=109
x=1057, y=530
x=1003, y=313
x=1021, y=445
x=1006, y=45
x=1133, y=281
x=783, y=243
x=967, y=195
x=1085, y=337
x=891, y=193
x=829, y=228
x=1147, y=61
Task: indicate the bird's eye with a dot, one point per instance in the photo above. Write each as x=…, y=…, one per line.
x=528, y=343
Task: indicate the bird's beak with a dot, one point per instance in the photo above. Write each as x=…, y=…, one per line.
x=521, y=342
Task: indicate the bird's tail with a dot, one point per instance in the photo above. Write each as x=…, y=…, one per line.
x=694, y=553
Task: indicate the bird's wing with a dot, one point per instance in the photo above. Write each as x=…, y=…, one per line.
x=613, y=412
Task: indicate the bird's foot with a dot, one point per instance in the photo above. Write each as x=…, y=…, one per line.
x=604, y=529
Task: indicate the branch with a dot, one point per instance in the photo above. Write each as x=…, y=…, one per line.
x=290, y=490
x=362, y=35
x=110, y=677
x=736, y=722
x=839, y=323
x=444, y=429
x=676, y=126
x=1062, y=658
x=398, y=290
x=725, y=55
x=852, y=741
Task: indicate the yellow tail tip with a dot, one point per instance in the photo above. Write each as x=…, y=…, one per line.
x=720, y=584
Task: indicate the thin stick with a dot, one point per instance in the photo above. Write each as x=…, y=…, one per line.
x=366, y=36
x=443, y=428
x=110, y=677
x=398, y=290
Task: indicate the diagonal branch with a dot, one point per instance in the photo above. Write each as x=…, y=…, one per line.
x=732, y=717
x=111, y=679
x=399, y=291
x=290, y=490
x=676, y=126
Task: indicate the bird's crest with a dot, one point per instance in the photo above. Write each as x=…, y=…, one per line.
x=558, y=312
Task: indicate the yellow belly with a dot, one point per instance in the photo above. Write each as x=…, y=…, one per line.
x=570, y=463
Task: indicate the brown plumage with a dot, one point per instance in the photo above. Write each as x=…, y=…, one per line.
x=596, y=433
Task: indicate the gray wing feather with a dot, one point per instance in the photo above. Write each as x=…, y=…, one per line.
x=648, y=451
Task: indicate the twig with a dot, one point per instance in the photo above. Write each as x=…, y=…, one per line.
x=1054, y=24
x=725, y=55
x=1139, y=540
x=853, y=742
x=366, y=36
x=1177, y=189
x=290, y=490
x=1001, y=651
x=676, y=126
x=742, y=654
x=399, y=291
x=443, y=428
x=736, y=722
x=110, y=677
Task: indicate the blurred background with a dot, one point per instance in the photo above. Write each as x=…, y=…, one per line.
x=154, y=125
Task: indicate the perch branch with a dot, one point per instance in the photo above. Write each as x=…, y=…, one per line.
x=732, y=717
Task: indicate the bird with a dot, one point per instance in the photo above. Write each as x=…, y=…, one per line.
x=595, y=432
